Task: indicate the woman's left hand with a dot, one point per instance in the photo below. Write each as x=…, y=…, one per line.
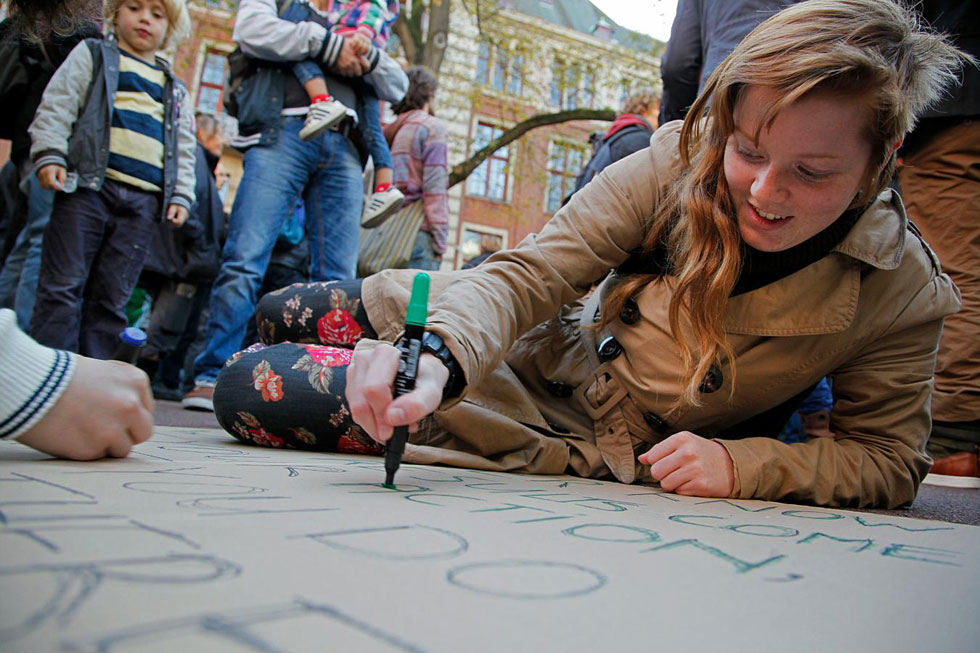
x=686, y=463
x=176, y=214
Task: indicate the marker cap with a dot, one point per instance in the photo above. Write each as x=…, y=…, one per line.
x=418, y=305
x=133, y=337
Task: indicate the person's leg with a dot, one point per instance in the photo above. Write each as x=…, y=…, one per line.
x=333, y=209
x=71, y=242
x=940, y=185
x=327, y=313
x=386, y=199
x=324, y=112
x=39, y=206
x=117, y=266
x=290, y=395
x=423, y=256
x=272, y=180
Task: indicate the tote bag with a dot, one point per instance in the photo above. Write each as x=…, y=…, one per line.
x=390, y=245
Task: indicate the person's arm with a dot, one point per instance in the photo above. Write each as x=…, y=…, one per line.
x=680, y=65
x=386, y=77
x=59, y=107
x=184, y=190
x=880, y=420
x=66, y=405
x=435, y=185
x=262, y=34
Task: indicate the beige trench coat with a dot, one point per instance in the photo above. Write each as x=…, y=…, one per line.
x=542, y=399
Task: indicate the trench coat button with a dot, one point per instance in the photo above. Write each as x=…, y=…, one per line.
x=609, y=349
x=559, y=389
x=713, y=380
x=631, y=312
x=655, y=422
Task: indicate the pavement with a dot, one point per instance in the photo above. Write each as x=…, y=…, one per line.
x=956, y=505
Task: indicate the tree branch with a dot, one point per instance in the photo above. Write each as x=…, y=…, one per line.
x=463, y=170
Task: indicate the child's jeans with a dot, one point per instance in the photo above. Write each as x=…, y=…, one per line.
x=94, y=248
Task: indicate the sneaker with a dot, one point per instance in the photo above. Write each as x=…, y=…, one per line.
x=322, y=116
x=200, y=398
x=382, y=206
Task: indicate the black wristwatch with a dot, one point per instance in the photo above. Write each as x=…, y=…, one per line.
x=434, y=345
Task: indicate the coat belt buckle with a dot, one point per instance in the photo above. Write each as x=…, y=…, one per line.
x=598, y=412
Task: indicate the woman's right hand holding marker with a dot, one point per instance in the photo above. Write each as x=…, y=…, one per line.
x=370, y=378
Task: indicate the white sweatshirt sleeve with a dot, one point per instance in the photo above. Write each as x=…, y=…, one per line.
x=32, y=377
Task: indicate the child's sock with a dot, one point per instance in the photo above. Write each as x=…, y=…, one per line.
x=380, y=188
x=320, y=98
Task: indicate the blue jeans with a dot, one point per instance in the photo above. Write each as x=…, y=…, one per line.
x=327, y=173
x=423, y=256
x=18, y=280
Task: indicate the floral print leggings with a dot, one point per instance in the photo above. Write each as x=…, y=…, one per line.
x=288, y=390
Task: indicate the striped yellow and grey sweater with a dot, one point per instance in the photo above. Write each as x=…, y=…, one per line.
x=34, y=378
x=136, y=133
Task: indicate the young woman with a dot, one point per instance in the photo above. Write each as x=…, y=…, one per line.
x=754, y=251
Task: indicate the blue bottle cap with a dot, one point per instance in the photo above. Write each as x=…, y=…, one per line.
x=133, y=336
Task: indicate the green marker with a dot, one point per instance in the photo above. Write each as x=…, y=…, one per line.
x=408, y=367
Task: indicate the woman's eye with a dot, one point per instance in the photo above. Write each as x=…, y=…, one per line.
x=812, y=175
x=751, y=156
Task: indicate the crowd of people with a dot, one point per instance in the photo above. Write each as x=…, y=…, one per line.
x=663, y=341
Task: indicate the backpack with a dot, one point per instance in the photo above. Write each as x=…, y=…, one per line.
x=241, y=67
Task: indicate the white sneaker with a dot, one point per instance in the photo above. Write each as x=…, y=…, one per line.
x=380, y=207
x=200, y=398
x=322, y=116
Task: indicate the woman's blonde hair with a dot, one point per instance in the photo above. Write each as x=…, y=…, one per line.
x=874, y=50
x=178, y=20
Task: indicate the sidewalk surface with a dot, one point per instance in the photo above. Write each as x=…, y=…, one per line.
x=961, y=506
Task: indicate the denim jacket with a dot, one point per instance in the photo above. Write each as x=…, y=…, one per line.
x=71, y=127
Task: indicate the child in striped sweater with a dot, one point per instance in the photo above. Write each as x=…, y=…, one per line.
x=115, y=177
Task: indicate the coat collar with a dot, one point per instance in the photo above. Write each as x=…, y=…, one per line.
x=823, y=297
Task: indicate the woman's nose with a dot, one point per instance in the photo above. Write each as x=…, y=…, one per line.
x=768, y=185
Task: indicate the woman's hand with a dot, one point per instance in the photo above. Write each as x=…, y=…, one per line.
x=686, y=463
x=370, y=378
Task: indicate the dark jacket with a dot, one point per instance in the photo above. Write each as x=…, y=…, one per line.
x=629, y=133
x=71, y=126
x=960, y=19
x=192, y=252
x=25, y=69
x=703, y=34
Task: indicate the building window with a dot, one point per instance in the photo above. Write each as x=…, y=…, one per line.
x=212, y=82
x=477, y=238
x=624, y=91
x=588, y=89
x=564, y=164
x=483, y=63
x=515, y=81
x=571, y=88
x=500, y=71
x=489, y=180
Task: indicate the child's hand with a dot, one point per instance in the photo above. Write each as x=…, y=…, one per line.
x=52, y=177
x=176, y=214
x=686, y=463
x=360, y=43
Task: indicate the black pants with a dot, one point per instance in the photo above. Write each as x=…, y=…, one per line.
x=94, y=248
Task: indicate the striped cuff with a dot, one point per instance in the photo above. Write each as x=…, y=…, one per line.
x=49, y=157
x=34, y=377
x=373, y=56
x=330, y=50
x=181, y=200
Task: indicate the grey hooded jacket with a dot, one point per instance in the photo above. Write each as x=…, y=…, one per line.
x=71, y=126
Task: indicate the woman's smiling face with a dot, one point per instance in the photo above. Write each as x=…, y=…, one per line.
x=804, y=172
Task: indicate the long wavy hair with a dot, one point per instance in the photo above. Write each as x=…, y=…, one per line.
x=874, y=51
x=35, y=20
